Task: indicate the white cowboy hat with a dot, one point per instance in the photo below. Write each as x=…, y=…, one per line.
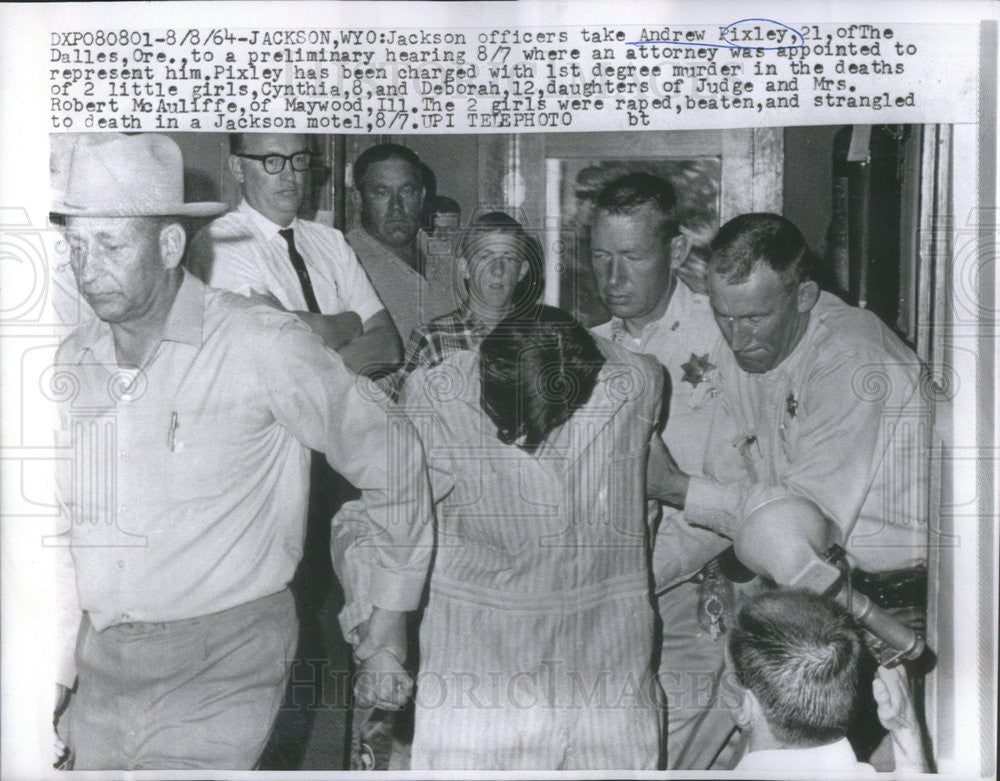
x=128, y=176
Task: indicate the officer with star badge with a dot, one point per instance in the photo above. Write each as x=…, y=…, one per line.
x=637, y=248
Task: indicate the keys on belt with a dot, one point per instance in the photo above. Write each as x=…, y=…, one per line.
x=716, y=601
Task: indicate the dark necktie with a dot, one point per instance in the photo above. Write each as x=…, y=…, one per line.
x=300, y=268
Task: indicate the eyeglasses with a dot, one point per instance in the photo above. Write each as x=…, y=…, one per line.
x=275, y=163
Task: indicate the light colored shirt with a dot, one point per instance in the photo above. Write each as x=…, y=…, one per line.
x=410, y=298
x=242, y=251
x=842, y=421
x=835, y=759
x=187, y=491
x=688, y=343
x=540, y=556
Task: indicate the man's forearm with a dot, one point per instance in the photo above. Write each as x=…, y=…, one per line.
x=336, y=331
x=665, y=481
x=375, y=349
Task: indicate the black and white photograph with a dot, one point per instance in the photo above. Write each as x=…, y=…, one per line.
x=478, y=390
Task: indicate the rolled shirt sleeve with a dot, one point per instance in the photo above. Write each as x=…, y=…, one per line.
x=226, y=261
x=357, y=292
x=855, y=447
x=381, y=544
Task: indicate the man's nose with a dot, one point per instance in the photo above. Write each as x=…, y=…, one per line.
x=616, y=273
x=86, y=263
x=496, y=269
x=287, y=174
x=742, y=336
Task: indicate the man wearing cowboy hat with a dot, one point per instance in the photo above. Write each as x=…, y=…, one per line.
x=190, y=413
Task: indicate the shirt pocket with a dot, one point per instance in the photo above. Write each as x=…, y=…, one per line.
x=789, y=431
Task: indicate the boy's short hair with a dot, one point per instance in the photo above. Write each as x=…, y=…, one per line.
x=761, y=238
x=530, y=288
x=799, y=654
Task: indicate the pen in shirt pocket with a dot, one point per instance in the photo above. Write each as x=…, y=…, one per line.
x=172, y=442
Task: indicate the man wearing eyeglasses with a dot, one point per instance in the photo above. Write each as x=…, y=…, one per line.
x=263, y=247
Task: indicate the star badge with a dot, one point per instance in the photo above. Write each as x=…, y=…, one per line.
x=695, y=369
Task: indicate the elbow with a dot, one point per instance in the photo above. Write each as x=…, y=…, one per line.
x=380, y=355
x=393, y=348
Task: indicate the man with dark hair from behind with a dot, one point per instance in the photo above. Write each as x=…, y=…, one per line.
x=538, y=447
x=796, y=661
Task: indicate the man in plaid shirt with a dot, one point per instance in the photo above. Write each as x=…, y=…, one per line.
x=502, y=267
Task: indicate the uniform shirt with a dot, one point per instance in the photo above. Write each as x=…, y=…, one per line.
x=242, y=251
x=842, y=421
x=688, y=343
x=834, y=758
x=410, y=298
x=186, y=494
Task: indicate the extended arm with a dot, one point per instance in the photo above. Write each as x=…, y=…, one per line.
x=376, y=349
x=381, y=544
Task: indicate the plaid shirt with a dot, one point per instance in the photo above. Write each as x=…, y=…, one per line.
x=432, y=342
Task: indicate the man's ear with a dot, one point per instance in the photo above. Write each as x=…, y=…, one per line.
x=807, y=295
x=463, y=267
x=523, y=272
x=236, y=168
x=749, y=710
x=172, y=243
x=680, y=248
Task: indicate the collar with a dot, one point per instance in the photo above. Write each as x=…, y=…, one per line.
x=376, y=249
x=471, y=319
x=261, y=223
x=832, y=757
x=184, y=323
x=675, y=316
x=187, y=315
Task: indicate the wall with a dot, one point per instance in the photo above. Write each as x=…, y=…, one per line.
x=807, y=172
x=205, y=175
x=454, y=162
x=808, y=180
